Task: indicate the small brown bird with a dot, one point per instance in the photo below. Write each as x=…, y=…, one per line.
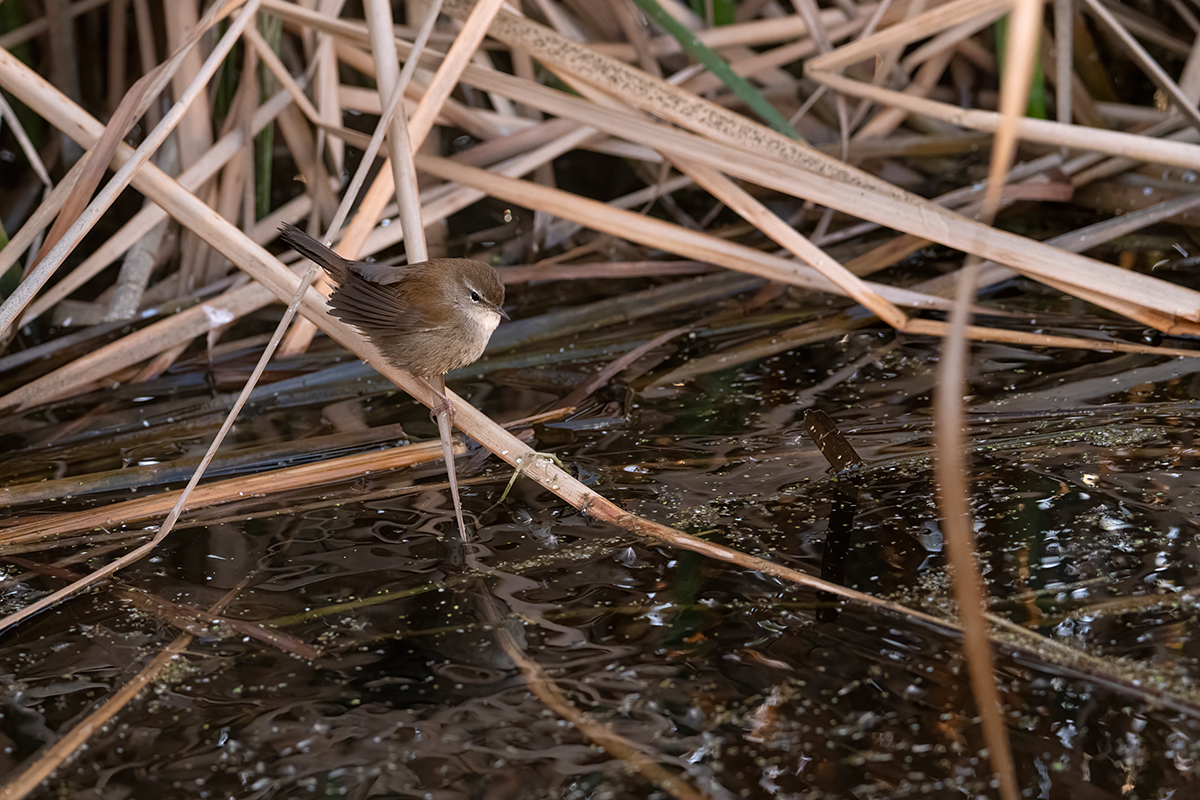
x=427, y=318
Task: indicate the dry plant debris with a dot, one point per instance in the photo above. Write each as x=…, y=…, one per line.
x=252, y=114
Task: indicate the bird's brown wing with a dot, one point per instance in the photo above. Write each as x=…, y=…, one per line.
x=380, y=274
x=377, y=300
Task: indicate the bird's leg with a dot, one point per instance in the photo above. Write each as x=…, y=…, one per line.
x=438, y=386
x=444, y=413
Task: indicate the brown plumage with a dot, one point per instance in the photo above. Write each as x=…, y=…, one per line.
x=427, y=318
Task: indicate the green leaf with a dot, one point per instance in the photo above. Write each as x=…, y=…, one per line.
x=1036, y=106
x=721, y=11
x=717, y=66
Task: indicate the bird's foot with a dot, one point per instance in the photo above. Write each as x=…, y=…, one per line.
x=445, y=407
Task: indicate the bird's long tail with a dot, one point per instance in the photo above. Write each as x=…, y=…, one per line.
x=307, y=246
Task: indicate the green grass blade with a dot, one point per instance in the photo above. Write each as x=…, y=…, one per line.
x=717, y=66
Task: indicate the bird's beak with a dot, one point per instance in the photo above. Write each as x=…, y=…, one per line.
x=500, y=310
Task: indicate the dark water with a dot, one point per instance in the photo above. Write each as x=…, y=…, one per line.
x=1085, y=474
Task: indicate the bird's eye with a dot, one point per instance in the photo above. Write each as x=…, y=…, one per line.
x=475, y=296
